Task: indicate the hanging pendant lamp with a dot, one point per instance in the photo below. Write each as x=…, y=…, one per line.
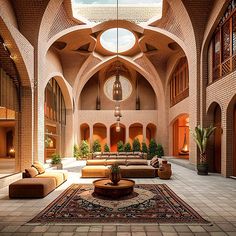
x=117, y=88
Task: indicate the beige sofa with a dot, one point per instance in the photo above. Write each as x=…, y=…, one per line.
x=130, y=168
x=119, y=155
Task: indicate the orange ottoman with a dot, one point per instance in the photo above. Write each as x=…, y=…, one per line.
x=31, y=188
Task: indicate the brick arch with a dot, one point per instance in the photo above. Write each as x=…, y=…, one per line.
x=82, y=78
x=64, y=86
x=20, y=57
x=230, y=136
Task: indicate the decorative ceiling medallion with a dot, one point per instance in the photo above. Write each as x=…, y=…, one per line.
x=125, y=84
x=126, y=40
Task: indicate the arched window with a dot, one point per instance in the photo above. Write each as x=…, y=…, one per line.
x=223, y=44
x=179, y=83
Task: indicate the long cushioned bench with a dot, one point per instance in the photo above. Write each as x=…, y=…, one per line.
x=119, y=155
x=135, y=168
x=37, y=182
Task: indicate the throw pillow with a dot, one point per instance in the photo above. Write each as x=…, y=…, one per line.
x=155, y=163
x=31, y=172
x=153, y=159
x=39, y=167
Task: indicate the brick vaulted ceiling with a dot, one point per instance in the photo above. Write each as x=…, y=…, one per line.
x=156, y=47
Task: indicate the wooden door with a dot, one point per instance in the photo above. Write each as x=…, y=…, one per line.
x=234, y=143
x=217, y=140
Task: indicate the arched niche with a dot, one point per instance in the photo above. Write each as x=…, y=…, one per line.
x=136, y=132
x=180, y=136
x=84, y=132
x=115, y=136
x=100, y=134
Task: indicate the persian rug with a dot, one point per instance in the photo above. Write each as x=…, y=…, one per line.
x=149, y=203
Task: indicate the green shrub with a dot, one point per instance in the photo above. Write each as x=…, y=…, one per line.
x=56, y=158
x=120, y=146
x=84, y=149
x=136, y=145
x=96, y=146
x=76, y=151
x=160, y=150
x=144, y=147
x=127, y=147
x=106, y=148
x=152, y=149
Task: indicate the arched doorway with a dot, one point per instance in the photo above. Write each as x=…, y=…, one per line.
x=136, y=131
x=100, y=134
x=55, y=119
x=217, y=139
x=181, y=136
x=116, y=136
x=150, y=132
x=84, y=132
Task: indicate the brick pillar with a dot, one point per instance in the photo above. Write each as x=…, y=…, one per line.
x=108, y=136
x=26, y=128
x=69, y=134
x=127, y=134
x=144, y=133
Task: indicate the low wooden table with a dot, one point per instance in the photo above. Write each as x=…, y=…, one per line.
x=104, y=187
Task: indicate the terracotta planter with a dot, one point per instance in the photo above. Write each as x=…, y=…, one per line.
x=115, y=178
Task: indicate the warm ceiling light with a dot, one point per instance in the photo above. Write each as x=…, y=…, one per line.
x=117, y=127
x=117, y=112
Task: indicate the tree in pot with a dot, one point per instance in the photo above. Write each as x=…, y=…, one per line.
x=56, y=161
x=201, y=136
x=127, y=147
x=84, y=149
x=106, y=148
x=136, y=145
x=120, y=146
x=96, y=146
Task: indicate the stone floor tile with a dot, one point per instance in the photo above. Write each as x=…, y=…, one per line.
x=35, y=234
x=55, y=228
x=123, y=233
x=6, y=234
x=231, y=233
x=110, y=228
x=218, y=234
x=152, y=228
x=123, y=228
x=50, y=234
x=212, y=228
x=9, y=229
x=227, y=227
x=95, y=228
x=94, y=233
x=150, y=233
x=80, y=234
x=66, y=233
x=138, y=234
x=137, y=228
x=197, y=229
x=182, y=228
x=202, y=234
x=169, y=234
x=167, y=228
x=82, y=229
x=40, y=229
x=186, y=234
x=25, y=228
x=109, y=233
x=69, y=228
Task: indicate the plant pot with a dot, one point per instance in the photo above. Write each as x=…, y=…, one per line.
x=202, y=169
x=115, y=178
x=58, y=166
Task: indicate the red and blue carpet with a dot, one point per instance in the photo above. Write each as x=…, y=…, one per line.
x=149, y=203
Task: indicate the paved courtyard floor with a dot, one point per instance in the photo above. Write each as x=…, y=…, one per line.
x=213, y=197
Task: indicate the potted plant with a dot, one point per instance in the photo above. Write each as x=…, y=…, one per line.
x=120, y=146
x=106, y=148
x=136, y=145
x=56, y=161
x=201, y=136
x=127, y=147
x=160, y=151
x=96, y=146
x=152, y=149
x=115, y=175
x=144, y=148
x=84, y=149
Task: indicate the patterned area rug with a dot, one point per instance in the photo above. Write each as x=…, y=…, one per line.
x=149, y=203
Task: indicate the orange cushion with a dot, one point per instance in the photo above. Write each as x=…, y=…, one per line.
x=39, y=167
x=31, y=172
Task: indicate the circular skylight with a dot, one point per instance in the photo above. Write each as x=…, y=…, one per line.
x=126, y=40
x=125, y=84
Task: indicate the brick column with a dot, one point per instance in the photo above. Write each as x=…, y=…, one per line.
x=26, y=128
x=108, y=136
x=69, y=134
